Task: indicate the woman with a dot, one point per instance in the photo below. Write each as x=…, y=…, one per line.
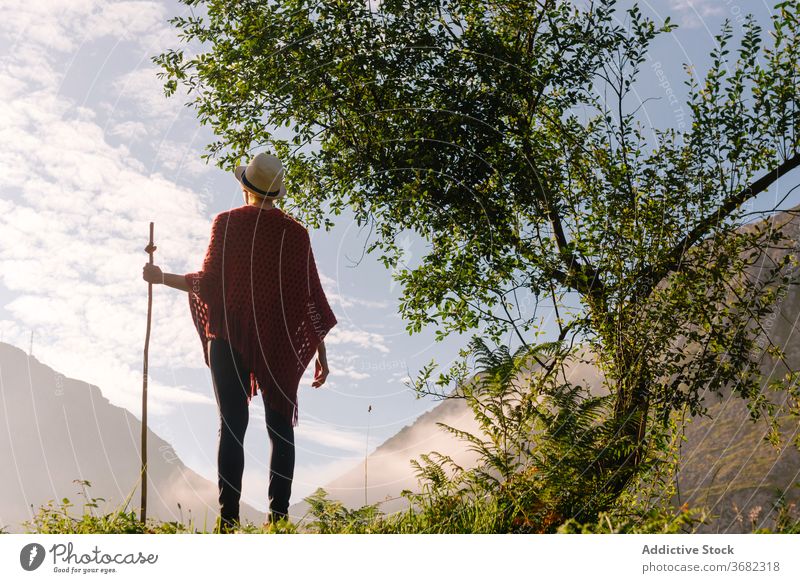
x=261, y=315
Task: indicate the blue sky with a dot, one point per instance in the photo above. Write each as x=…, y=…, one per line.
x=92, y=152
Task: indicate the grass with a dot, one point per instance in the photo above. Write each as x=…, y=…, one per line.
x=442, y=514
x=59, y=518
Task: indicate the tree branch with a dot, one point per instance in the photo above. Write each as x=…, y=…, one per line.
x=653, y=274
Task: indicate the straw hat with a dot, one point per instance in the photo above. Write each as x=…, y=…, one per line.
x=263, y=176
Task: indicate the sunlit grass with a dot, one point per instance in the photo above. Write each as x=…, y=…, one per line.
x=59, y=517
x=430, y=514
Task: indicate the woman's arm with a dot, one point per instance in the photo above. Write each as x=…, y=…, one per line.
x=153, y=274
x=176, y=281
x=320, y=366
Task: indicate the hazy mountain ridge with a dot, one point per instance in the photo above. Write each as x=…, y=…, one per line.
x=54, y=429
x=389, y=469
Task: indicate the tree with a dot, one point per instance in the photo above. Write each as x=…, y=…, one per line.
x=507, y=135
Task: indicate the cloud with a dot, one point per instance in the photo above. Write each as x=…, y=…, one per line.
x=336, y=299
x=75, y=210
x=344, y=334
x=331, y=436
x=340, y=367
x=51, y=25
x=130, y=131
x=693, y=12
x=142, y=91
x=181, y=159
x=705, y=7
x=351, y=373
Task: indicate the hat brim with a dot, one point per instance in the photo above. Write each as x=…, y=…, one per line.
x=238, y=172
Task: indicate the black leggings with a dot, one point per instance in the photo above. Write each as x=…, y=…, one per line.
x=231, y=386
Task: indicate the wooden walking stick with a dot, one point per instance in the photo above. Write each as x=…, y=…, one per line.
x=366, y=455
x=150, y=249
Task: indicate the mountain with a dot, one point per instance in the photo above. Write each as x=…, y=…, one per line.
x=54, y=430
x=389, y=469
x=726, y=464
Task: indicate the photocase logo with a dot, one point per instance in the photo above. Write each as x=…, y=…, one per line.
x=31, y=556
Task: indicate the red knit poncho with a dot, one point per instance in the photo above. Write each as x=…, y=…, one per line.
x=259, y=288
